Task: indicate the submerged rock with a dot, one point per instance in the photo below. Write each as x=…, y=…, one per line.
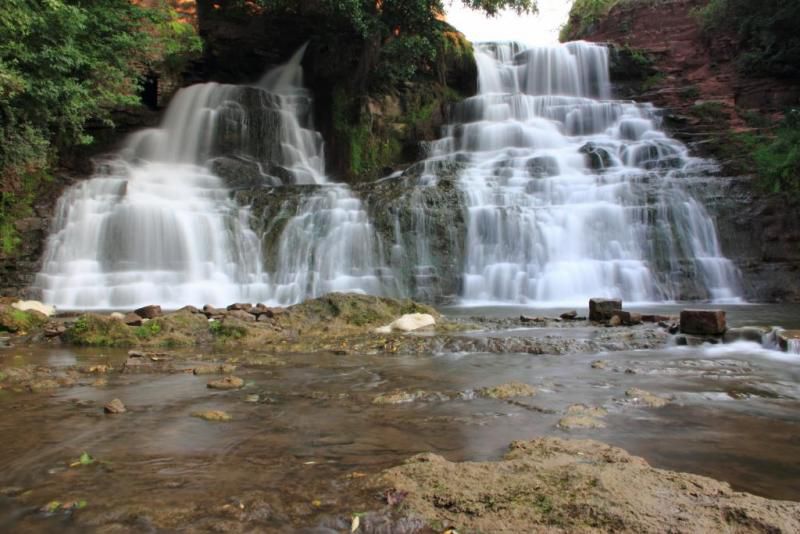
x=746, y=333
x=576, y=486
x=114, y=407
x=217, y=416
x=507, y=391
x=227, y=383
x=642, y=396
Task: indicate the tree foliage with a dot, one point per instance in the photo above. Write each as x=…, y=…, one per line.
x=766, y=30
x=63, y=62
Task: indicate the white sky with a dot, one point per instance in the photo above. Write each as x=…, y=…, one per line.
x=541, y=28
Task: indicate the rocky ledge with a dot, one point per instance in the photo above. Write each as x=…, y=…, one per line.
x=558, y=485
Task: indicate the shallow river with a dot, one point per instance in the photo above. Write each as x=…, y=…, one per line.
x=293, y=454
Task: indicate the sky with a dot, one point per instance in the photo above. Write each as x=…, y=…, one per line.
x=541, y=28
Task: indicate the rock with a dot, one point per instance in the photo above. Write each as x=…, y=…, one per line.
x=227, y=383
x=117, y=316
x=559, y=485
x=41, y=386
x=240, y=307
x=213, y=369
x=600, y=364
x=211, y=311
x=241, y=315
x=789, y=341
x=54, y=330
x=650, y=318
x=542, y=166
x=616, y=320
x=149, y=312
x=114, y=407
x=132, y=319
x=598, y=157
x=703, y=322
x=507, y=391
x=529, y=319
x=569, y=316
x=398, y=397
x=603, y=309
x=580, y=421
x=217, y=416
x=634, y=318
x=189, y=309
x=645, y=397
x=409, y=322
x=36, y=306
x=746, y=333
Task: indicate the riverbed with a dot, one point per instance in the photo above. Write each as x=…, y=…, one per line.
x=306, y=428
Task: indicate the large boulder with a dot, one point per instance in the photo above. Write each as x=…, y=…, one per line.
x=149, y=312
x=703, y=322
x=36, y=306
x=603, y=309
x=409, y=323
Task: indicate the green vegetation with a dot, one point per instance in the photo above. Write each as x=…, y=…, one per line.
x=777, y=156
x=148, y=330
x=99, y=331
x=709, y=111
x=13, y=320
x=62, y=64
x=766, y=30
x=583, y=15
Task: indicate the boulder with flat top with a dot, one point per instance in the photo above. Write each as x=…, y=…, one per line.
x=603, y=309
x=703, y=322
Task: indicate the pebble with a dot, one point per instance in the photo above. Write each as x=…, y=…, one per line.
x=114, y=407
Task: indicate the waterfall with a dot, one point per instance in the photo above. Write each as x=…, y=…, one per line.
x=158, y=224
x=572, y=195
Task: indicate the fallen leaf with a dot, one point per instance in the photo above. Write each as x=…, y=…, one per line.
x=355, y=523
x=316, y=503
x=356, y=474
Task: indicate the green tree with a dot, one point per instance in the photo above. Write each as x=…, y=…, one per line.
x=63, y=63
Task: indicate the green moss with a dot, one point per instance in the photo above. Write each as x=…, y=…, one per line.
x=709, y=111
x=226, y=331
x=18, y=205
x=148, y=330
x=98, y=331
x=13, y=320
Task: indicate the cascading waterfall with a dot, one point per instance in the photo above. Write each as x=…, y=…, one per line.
x=571, y=195
x=158, y=224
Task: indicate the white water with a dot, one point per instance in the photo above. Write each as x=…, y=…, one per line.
x=546, y=227
x=156, y=225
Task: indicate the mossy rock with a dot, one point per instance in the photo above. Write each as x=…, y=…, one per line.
x=18, y=321
x=93, y=330
x=351, y=309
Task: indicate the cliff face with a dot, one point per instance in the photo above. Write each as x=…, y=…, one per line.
x=661, y=55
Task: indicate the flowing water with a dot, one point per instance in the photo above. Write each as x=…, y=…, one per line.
x=158, y=224
x=293, y=454
x=566, y=194
x=572, y=195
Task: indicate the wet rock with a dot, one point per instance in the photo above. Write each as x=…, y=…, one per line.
x=149, y=312
x=576, y=486
x=542, y=166
x=227, y=383
x=54, y=330
x=598, y=158
x=216, y=416
x=589, y=411
x=746, y=333
x=213, y=369
x=703, y=322
x=603, y=309
x=651, y=318
x=641, y=396
x=616, y=320
x=114, y=407
x=600, y=364
x=569, y=316
x=789, y=341
x=132, y=319
x=100, y=383
x=403, y=397
x=507, y=391
x=580, y=421
x=44, y=385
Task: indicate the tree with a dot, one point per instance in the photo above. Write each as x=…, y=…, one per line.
x=63, y=63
